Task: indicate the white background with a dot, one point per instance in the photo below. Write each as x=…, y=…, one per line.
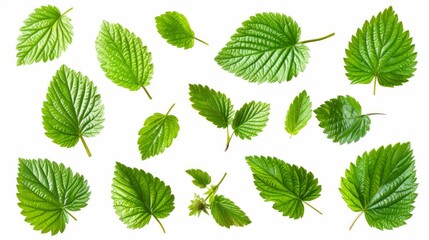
x=200, y=144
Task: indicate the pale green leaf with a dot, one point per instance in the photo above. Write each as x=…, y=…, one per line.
x=123, y=57
x=288, y=186
x=138, y=196
x=226, y=213
x=382, y=186
x=157, y=134
x=381, y=51
x=201, y=178
x=73, y=109
x=45, y=35
x=298, y=114
x=48, y=192
x=251, y=119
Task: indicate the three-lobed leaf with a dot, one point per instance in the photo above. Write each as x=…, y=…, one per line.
x=266, y=49
x=201, y=178
x=381, y=51
x=175, y=28
x=250, y=119
x=72, y=110
x=299, y=114
x=138, y=196
x=342, y=120
x=157, y=134
x=382, y=185
x=47, y=192
x=226, y=213
x=45, y=35
x=123, y=57
x=288, y=186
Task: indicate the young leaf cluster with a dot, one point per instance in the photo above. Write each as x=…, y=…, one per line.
x=224, y=211
x=216, y=107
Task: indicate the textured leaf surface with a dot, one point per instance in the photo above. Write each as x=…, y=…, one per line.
x=123, y=57
x=72, y=109
x=342, y=120
x=382, y=185
x=45, y=35
x=381, y=51
x=288, y=186
x=265, y=49
x=226, y=213
x=212, y=105
x=201, y=178
x=157, y=134
x=251, y=119
x=48, y=192
x=175, y=28
x=298, y=114
x=138, y=196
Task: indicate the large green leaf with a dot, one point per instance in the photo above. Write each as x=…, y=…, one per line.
x=381, y=51
x=288, y=186
x=47, y=192
x=266, y=49
x=382, y=185
x=175, y=28
x=138, y=196
x=342, y=120
x=157, y=134
x=201, y=178
x=298, y=114
x=212, y=105
x=123, y=57
x=72, y=109
x=45, y=35
x=226, y=213
x=251, y=119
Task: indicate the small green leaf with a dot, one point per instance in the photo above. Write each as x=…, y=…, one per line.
x=201, y=178
x=157, y=134
x=124, y=58
x=266, y=49
x=342, y=120
x=212, y=105
x=226, y=213
x=382, y=185
x=138, y=196
x=381, y=51
x=298, y=114
x=72, y=109
x=288, y=186
x=175, y=28
x=251, y=119
x=45, y=35
x=47, y=192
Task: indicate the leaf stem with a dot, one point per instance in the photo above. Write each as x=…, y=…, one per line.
x=68, y=213
x=147, y=93
x=215, y=187
x=160, y=224
x=370, y=114
x=315, y=209
x=317, y=39
x=354, y=221
x=375, y=85
x=85, y=146
x=228, y=138
x=170, y=108
x=67, y=11
x=199, y=40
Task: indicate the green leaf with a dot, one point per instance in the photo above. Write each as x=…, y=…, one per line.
x=382, y=185
x=342, y=119
x=381, y=51
x=226, y=213
x=124, y=58
x=175, y=28
x=201, y=178
x=251, y=119
x=212, y=105
x=138, y=196
x=48, y=192
x=72, y=109
x=157, y=134
x=288, y=186
x=45, y=35
x=266, y=49
x=298, y=114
